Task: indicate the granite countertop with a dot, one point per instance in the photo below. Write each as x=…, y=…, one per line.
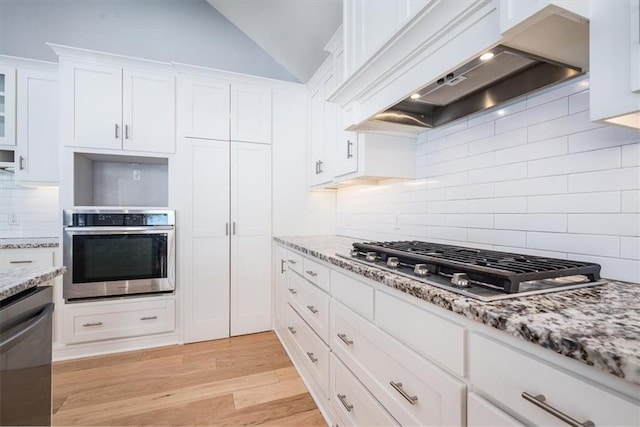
x=29, y=243
x=16, y=280
x=598, y=326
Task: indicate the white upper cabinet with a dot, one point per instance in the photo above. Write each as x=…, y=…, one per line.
x=323, y=131
x=250, y=113
x=7, y=106
x=37, y=148
x=204, y=108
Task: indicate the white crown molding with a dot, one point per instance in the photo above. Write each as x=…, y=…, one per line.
x=19, y=62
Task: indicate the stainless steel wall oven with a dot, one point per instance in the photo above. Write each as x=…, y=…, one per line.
x=118, y=253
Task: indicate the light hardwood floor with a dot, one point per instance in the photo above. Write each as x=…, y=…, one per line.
x=236, y=381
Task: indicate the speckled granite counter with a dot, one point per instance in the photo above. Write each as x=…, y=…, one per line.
x=15, y=280
x=29, y=243
x=599, y=326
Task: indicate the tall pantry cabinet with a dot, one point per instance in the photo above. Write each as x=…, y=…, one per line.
x=225, y=217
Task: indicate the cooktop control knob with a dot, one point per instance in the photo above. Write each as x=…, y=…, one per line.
x=393, y=262
x=420, y=270
x=371, y=256
x=460, y=279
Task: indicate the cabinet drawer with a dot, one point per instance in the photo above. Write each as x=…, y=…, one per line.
x=26, y=258
x=316, y=274
x=413, y=390
x=91, y=322
x=311, y=303
x=352, y=402
x=294, y=262
x=313, y=352
x=431, y=335
x=352, y=293
x=481, y=413
x=505, y=374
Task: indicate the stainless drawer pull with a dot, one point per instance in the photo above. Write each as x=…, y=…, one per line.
x=26, y=261
x=312, y=309
x=399, y=389
x=86, y=325
x=344, y=339
x=282, y=264
x=290, y=261
x=343, y=399
x=292, y=330
x=349, y=153
x=292, y=291
x=149, y=318
x=312, y=273
x=540, y=402
x=311, y=357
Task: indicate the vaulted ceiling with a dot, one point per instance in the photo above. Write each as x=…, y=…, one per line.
x=293, y=32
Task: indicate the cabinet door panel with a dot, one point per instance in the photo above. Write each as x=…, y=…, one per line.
x=7, y=106
x=251, y=238
x=95, y=106
x=317, y=134
x=38, y=134
x=250, y=114
x=148, y=112
x=205, y=109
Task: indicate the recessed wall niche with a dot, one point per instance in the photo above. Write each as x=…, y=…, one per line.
x=104, y=180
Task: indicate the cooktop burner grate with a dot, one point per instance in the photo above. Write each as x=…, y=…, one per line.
x=497, y=269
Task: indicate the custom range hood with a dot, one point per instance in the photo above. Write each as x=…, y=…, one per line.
x=496, y=76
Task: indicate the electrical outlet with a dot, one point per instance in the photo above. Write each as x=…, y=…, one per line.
x=136, y=174
x=14, y=219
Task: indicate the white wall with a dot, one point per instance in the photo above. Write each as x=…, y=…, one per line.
x=535, y=177
x=187, y=31
x=37, y=209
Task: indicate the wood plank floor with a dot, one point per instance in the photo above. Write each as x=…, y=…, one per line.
x=235, y=381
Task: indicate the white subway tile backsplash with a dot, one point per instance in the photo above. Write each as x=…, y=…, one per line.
x=480, y=161
x=606, y=180
x=448, y=154
x=470, y=134
x=37, y=209
x=605, y=202
x=448, y=206
x=575, y=243
x=498, y=142
x=449, y=180
x=532, y=186
x=503, y=110
x=475, y=191
x=445, y=130
x=613, y=268
x=556, y=223
x=579, y=102
x=597, y=139
x=498, y=173
x=630, y=201
x=627, y=224
x=630, y=247
x=532, y=151
x=498, y=237
x=447, y=233
x=540, y=114
x=470, y=220
x=563, y=90
x=631, y=155
x=498, y=205
x=566, y=125
x=573, y=163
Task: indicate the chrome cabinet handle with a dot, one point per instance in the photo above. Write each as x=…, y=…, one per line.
x=540, y=402
x=226, y=228
x=234, y=228
x=26, y=261
x=312, y=273
x=349, y=145
x=117, y=131
x=312, y=309
x=398, y=387
x=318, y=167
x=343, y=399
x=282, y=264
x=292, y=330
x=21, y=162
x=126, y=131
x=86, y=325
x=320, y=163
x=344, y=339
x=292, y=291
x=311, y=357
x=149, y=318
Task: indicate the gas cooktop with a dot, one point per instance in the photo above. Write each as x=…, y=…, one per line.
x=481, y=274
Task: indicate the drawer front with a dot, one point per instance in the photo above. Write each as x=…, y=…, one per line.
x=505, y=374
x=26, y=258
x=295, y=262
x=352, y=402
x=481, y=413
x=314, y=353
x=317, y=274
x=93, y=323
x=311, y=303
x=431, y=335
x=353, y=293
x=412, y=389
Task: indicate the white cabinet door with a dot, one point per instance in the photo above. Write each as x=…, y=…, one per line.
x=148, y=111
x=206, y=255
x=481, y=413
x=204, y=108
x=317, y=134
x=7, y=106
x=250, y=113
x=251, y=238
x=37, y=153
x=92, y=105
x=280, y=287
x=346, y=148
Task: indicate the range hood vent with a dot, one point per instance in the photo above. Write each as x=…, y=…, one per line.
x=499, y=75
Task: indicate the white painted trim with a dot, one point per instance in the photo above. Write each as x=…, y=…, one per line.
x=100, y=348
x=33, y=64
x=335, y=42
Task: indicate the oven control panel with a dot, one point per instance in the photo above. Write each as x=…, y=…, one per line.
x=115, y=219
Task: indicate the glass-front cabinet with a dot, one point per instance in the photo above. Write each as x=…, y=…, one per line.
x=7, y=106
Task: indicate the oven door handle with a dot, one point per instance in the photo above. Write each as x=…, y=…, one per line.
x=23, y=331
x=118, y=230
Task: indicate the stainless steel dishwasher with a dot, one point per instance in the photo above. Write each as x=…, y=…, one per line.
x=25, y=358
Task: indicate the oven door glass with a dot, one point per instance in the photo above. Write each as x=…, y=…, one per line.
x=112, y=257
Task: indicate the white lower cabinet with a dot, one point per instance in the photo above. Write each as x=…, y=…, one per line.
x=26, y=258
x=311, y=303
x=352, y=402
x=103, y=321
x=481, y=413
